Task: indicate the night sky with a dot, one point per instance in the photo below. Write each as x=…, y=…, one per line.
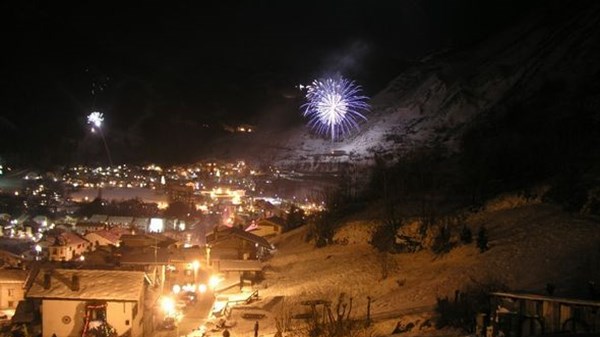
x=168, y=75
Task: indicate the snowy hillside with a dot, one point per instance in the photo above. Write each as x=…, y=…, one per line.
x=439, y=97
x=531, y=246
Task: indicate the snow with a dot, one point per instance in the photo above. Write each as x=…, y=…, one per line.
x=107, y=285
x=531, y=244
x=438, y=98
x=120, y=194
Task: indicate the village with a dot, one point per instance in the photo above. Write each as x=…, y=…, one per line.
x=66, y=274
x=127, y=276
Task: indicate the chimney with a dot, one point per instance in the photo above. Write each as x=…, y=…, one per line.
x=75, y=282
x=47, y=282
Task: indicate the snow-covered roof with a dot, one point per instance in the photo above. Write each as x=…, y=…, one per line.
x=70, y=238
x=107, y=235
x=120, y=220
x=234, y=231
x=98, y=218
x=13, y=275
x=141, y=222
x=239, y=265
x=110, y=285
x=536, y=297
x=274, y=220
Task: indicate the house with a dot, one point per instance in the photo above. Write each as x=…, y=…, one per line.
x=168, y=266
x=146, y=240
x=14, y=252
x=11, y=287
x=85, y=227
x=524, y=314
x=120, y=221
x=140, y=224
x=103, y=238
x=74, y=302
x=98, y=218
x=67, y=246
x=244, y=245
x=267, y=227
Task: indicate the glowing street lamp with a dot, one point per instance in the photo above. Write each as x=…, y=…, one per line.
x=214, y=281
x=167, y=304
x=196, y=266
x=38, y=250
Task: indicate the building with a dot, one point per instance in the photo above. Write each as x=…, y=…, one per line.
x=98, y=218
x=146, y=240
x=268, y=227
x=140, y=224
x=236, y=243
x=522, y=314
x=86, y=227
x=103, y=238
x=74, y=302
x=11, y=287
x=120, y=221
x=67, y=246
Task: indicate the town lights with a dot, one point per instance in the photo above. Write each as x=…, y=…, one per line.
x=202, y=288
x=176, y=289
x=214, y=281
x=167, y=304
x=196, y=266
x=38, y=250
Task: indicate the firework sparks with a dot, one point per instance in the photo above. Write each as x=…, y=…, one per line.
x=334, y=106
x=95, y=119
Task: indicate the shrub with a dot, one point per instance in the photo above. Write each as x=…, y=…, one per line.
x=460, y=312
x=384, y=236
x=441, y=243
x=482, y=239
x=466, y=236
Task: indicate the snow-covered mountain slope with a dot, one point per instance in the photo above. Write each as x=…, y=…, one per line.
x=438, y=98
x=531, y=246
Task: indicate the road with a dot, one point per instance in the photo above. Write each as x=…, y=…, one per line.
x=194, y=316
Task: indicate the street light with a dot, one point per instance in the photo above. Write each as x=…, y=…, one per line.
x=214, y=281
x=168, y=305
x=196, y=266
x=38, y=250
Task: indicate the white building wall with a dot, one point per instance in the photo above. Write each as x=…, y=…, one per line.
x=119, y=316
x=10, y=294
x=62, y=318
x=65, y=318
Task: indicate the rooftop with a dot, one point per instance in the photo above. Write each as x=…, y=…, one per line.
x=110, y=285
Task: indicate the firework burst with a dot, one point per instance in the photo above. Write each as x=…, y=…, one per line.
x=334, y=106
x=95, y=119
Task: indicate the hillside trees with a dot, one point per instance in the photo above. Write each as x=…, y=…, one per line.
x=295, y=218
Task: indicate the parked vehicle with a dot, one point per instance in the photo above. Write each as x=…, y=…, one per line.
x=189, y=297
x=168, y=323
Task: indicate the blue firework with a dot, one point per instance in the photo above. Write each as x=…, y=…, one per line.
x=334, y=106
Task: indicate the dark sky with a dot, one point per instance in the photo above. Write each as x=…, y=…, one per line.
x=162, y=71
